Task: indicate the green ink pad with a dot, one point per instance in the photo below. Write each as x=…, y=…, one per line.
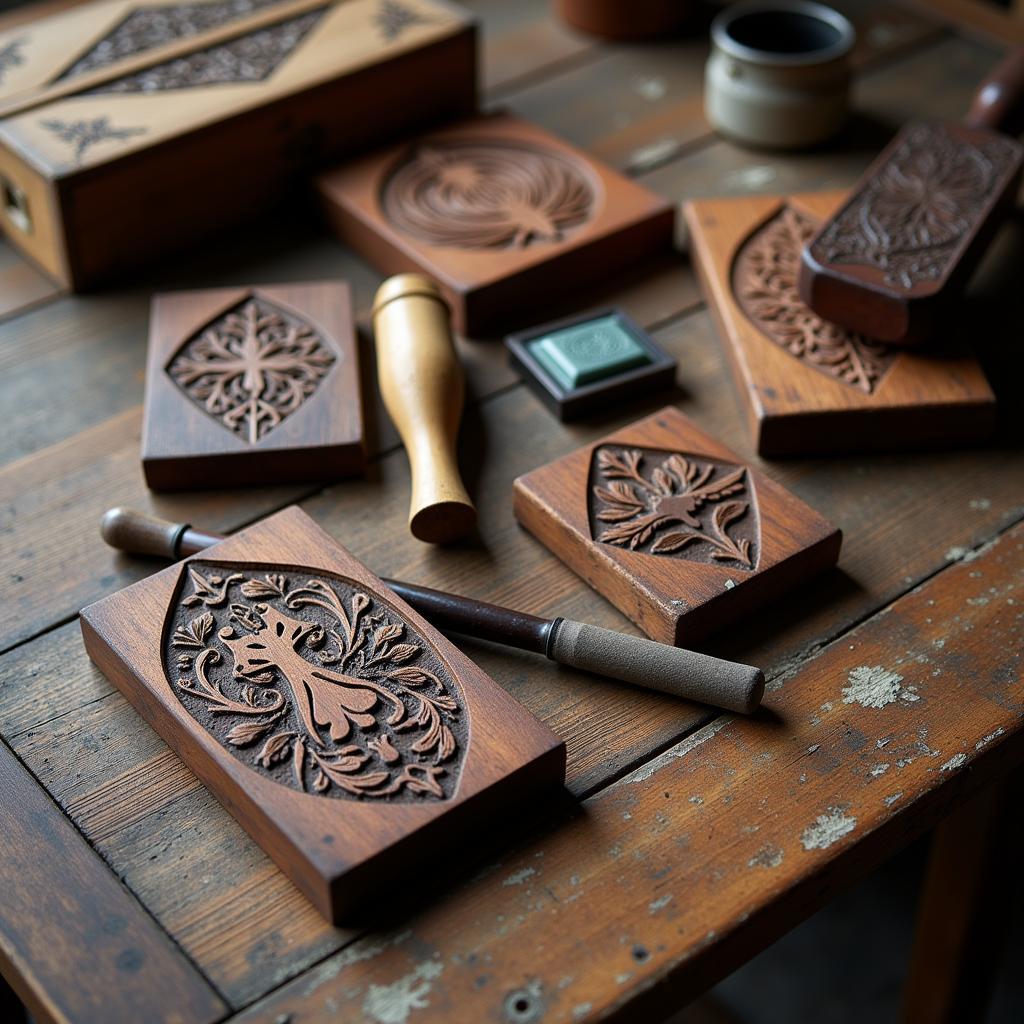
x=580, y=364
x=589, y=352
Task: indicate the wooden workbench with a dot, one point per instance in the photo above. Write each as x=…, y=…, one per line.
x=688, y=840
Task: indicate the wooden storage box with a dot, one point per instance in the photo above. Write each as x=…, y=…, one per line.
x=128, y=130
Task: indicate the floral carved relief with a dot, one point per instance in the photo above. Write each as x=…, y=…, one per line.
x=487, y=195
x=914, y=216
x=252, y=368
x=315, y=683
x=764, y=282
x=668, y=503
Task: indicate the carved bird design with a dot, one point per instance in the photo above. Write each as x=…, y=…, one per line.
x=322, y=698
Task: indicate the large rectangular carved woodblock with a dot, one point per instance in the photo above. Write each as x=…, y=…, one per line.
x=130, y=128
x=345, y=734
x=252, y=386
x=808, y=385
x=505, y=216
x=673, y=528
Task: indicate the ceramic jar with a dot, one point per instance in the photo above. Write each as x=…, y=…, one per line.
x=779, y=74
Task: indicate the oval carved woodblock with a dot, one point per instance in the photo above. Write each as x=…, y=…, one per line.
x=314, y=683
x=252, y=367
x=487, y=195
x=764, y=283
x=674, y=505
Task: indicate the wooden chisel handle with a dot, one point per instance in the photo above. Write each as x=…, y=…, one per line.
x=632, y=659
x=999, y=102
x=422, y=386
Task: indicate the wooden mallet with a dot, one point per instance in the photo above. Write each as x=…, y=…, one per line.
x=605, y=652
x=904, y=243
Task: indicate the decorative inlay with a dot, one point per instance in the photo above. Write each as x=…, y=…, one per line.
x=249, y=58
x=314, y=683
x=911, y=220
x=393, y=18
x=487, y=195
x=150, y=27
x=667, y=503
x=764, y=281
x=83, y=135
x=251, y=368
x=11, y=57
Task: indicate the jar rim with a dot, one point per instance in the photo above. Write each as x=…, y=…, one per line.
x=722, y=38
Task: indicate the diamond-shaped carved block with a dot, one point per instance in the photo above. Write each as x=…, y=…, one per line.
x=252, y=386
x=674, y=505
x=673, y=528
x=252, y=368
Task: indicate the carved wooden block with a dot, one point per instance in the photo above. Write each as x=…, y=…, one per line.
x=808, y=385
x=350, y=738
x=128, y=131
x=903, y=245
x=252, y=386
x=673, y=528
x=504, y=215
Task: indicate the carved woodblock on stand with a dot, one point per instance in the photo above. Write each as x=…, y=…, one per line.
x=673, y=528
x=252, y=386
x=345, y=733
x=504, y=215
x=130, y=130
x=809, y=385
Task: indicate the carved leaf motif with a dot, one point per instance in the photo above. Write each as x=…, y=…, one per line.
x=194, y=634
x=250, y=370
x=319, y=686
x=765, y=275
x=487, y=195
x=83, y=135
x=679, y=506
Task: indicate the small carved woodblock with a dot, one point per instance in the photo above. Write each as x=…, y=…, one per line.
x=507, y=217
x=672, y=527
x=347, y=735
x=252, y=386
x=809, y=385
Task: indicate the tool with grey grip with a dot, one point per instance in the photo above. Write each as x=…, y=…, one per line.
x=654, y=666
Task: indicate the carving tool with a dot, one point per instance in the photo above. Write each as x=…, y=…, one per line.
x=632, y=659
x=906, y=240
x=422, y=386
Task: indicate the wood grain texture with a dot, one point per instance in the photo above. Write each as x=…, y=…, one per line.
x=805, y=385
x=413, y=802
x=183, y=856
x=643, y=530
x=66, y=914
x=677, y=873
x=246, y=386
x=532, y=218
x=159, y=137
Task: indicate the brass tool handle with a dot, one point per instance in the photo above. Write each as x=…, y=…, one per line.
x=999, y=102
x=422, y=385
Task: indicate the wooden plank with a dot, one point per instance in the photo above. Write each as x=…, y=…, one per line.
x=74, y=944
x=22, y=286
x=673, y=876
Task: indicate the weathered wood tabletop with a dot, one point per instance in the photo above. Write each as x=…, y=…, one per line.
x=691, y=839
